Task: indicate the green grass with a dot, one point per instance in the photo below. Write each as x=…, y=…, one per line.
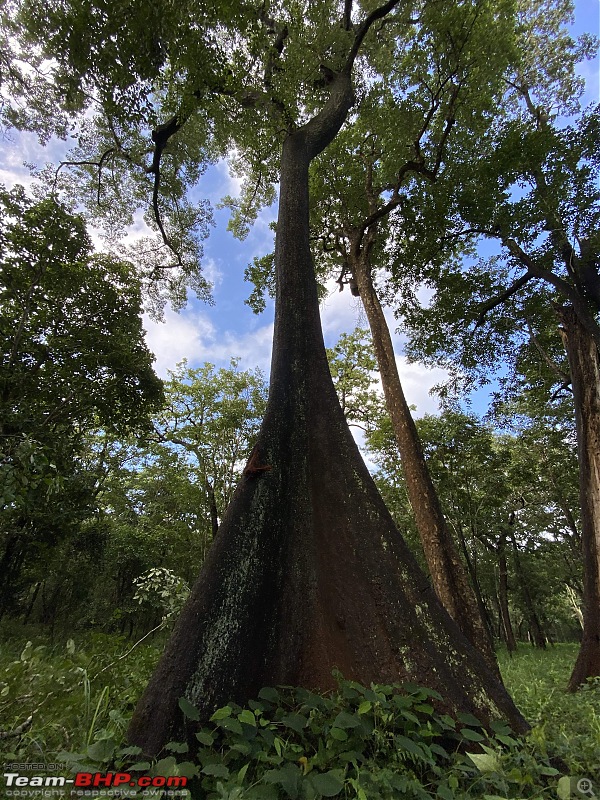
x=72, y=698
x=564, y=724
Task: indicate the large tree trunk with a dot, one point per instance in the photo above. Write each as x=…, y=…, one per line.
x=585, y=378
x=308, y=571
x=447, y=572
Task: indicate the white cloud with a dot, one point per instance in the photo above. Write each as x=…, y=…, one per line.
x=179, y=337
x=192, y=336
x=417, y=382
x=252, y=348
x=340, y=313
x=212, y=272
x=225, y=182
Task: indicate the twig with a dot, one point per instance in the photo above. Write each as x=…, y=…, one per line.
x=131, y=649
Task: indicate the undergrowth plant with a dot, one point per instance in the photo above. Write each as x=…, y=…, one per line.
x=357, y=743
x=376, y=743
x=62, y=697
x=565, y=724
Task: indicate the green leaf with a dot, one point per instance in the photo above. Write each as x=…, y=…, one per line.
x=485, y=762
x=270, y=694
x=232, y=725
x=365, y=707
x=166, y=766
x=328, y=784
x=187, y=769
x=404, y=743
x=564, y=788
x=287, y=777
x=177, y=747
x=221, y=713
x=472, y=736
x=188, y=709
x=205, y=737
x=140, y=766
x=338, y=734
x=345, y=720
x=424, y=708
x=101, y=750
x=247, y=717
x=469, y=719
x=295, y=721
x=218, y=770
x=548, y=771
x=507, y=740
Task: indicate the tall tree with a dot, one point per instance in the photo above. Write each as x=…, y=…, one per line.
x=213, y=417
x=308, y=570
x=535, y=194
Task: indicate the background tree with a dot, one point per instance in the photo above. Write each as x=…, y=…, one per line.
x=73, y=359
x=151, y=508
x=499, y=497
x=212, y=416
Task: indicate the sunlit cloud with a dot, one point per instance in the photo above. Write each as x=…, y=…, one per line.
x=192, y=336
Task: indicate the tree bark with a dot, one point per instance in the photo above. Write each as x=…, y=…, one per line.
x=308, y=571
x=585, y=378
x=447, y=572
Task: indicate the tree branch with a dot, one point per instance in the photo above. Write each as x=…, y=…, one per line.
x=501, y=298
x=347, y=20
x=561, y=286
x=160, y=137
x=378, y=13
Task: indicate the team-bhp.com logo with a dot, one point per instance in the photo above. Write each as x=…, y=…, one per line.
x=92, y=780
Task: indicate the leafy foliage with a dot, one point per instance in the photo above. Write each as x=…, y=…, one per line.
x=72, y=360
x=357, y=742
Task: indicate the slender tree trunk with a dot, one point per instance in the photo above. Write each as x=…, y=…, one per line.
x=212, y=504
x=585, y=379
x=11, y=565
x=31, y=605
x=509, y=635
x=308, y=571
x=535, y=628
x=447, y=572
x=483, y=611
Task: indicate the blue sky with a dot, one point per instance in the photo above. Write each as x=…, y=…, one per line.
x=229, y=328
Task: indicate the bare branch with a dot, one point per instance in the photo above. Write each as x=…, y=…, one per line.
x=160, y=137
x=563, y=376
x=84, y=163
x=562, y=286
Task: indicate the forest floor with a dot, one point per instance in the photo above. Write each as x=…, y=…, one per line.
x=70, y=703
